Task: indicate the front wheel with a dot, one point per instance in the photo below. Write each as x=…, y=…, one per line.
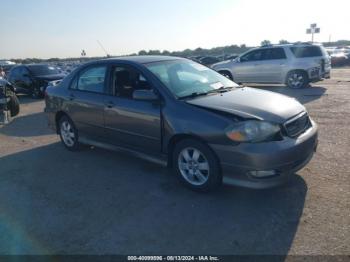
x=68, y=134
x=196, y=166
x=297, y=79
x=226, y=74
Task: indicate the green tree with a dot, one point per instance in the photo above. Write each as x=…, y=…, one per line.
x=282, y=42
x=142, y=52
x=265, y=42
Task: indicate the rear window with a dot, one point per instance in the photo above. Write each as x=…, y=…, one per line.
x=306, y=51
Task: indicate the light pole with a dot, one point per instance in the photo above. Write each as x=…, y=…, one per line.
x=313, y=30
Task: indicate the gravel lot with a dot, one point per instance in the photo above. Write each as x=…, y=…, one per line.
x=102, y=202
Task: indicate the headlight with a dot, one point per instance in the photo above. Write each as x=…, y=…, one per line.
x=252, y=131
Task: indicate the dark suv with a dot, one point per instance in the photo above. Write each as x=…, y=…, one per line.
x=182, y=114
x=33, y=79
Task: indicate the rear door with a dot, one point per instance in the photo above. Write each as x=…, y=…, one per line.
x=272, y=65
x=132, y=123
x=86, y=100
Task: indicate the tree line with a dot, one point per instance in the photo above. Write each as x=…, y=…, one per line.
x=216, y=51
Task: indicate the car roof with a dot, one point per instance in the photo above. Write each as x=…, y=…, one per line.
x=142, y=59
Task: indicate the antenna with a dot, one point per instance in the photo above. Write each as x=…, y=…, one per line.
x=103, y=48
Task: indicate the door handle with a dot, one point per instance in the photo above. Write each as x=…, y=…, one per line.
x=71, y=97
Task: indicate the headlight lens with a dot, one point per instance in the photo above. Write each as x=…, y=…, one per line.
x=252, y=131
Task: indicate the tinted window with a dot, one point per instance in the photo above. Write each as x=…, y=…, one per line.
x=39, y=70
x=126, y=80
x=252, y=56
x=306, y=51
x=92, y=80
x=274, y=53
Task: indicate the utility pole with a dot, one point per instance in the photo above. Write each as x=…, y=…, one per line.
x=313, y=30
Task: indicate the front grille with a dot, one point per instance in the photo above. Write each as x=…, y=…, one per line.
x=297, y=125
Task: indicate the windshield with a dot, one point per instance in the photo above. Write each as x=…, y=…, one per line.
x=185, y=78
x=40, y=70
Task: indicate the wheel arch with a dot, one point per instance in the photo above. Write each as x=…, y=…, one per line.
x=226, y=70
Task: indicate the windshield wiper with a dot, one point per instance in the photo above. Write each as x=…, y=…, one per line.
x=221, y=89
x=218, y=90
x=194, y=94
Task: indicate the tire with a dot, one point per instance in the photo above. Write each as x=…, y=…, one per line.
x=13, y=105
x=68, y=134
x=226, y=74
x=196, y=166
x=297, y=79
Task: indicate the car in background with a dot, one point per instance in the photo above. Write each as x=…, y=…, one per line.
x=8, y=99
x=182, y=114
x=340, y=57
x=33, y=79
x=295, y=65
x=209, y=60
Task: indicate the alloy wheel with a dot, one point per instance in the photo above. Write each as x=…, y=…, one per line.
x=193, y=166
x=67, y=134
x=296, y=80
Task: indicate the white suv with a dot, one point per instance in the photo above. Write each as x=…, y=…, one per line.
x=295, y=65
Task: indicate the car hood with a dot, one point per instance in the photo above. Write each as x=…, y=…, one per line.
x=50, y=77
x=252, y=103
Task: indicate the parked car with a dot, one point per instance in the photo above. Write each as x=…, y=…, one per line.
x=208, y=60
x=8, y=99
x=340, y=57
x=295, y=65
x=33, y=79
x=184, y=115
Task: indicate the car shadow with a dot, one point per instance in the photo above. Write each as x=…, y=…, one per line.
x=27, y=126
x=95, y=201
x=27, y=99
x=304, y=95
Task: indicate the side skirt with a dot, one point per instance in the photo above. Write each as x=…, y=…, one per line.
x=157, y=160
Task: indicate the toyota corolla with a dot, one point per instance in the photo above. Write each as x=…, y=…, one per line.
x=176, y=112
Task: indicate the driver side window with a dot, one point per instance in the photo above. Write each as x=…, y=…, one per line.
x=125, y=80
x=252, y=56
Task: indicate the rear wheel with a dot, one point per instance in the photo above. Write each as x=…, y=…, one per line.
x=297, y=79
x=68, y=133
x=196, y=166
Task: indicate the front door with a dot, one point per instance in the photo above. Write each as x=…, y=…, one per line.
x=132, y=123
x=246, y=70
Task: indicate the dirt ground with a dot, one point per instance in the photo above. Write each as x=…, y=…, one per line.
x=99, y=202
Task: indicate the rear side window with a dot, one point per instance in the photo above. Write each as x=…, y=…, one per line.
x=274, y=53
x=306, y=51
x=91, y=80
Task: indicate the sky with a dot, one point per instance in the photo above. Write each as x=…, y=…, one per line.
x=62, y=28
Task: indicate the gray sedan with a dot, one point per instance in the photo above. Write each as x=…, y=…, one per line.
x=178, y=113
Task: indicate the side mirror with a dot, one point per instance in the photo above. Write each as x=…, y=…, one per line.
x=237, y=59
x=144, y=95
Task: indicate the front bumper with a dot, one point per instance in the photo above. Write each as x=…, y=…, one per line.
x=283, y=157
